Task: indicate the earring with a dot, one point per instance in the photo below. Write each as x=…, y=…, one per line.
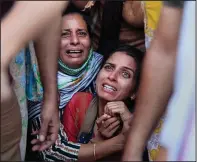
x=132, y=97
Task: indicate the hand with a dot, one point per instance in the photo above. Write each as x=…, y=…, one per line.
x=126, y=126
x=107, y=125
x=117, y=107
x=50, y=124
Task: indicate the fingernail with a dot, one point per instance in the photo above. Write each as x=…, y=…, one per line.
x=41, y=137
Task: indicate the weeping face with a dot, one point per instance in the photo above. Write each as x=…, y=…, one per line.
x=75, y=41
x=116, y=80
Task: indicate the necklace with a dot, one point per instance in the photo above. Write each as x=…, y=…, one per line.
x=70, y=71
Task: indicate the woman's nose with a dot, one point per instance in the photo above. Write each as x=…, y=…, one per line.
x=113, y=76
x=74, y=39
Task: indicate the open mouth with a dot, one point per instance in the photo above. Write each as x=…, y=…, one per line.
x=73, y=52
x=109, y=88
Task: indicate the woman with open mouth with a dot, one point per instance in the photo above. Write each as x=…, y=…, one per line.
x=92, y=119
x=78, y=66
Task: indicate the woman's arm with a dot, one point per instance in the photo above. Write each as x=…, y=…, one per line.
x=65, y=150
x=25, y=22
x=102, y=149
x=47, y=52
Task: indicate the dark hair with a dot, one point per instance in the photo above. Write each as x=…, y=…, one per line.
x=110, y=28
x=138, y=57
x=71, y=9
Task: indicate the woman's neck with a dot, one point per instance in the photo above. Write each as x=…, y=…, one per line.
x=101, y=106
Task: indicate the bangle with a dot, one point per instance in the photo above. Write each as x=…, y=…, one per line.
x=94, y=151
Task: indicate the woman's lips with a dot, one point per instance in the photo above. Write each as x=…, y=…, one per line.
x=74, y=53
x=109, y=89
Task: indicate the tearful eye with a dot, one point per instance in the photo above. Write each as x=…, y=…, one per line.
x=126, y=74
x=108, y=67
x=82, y=33
x=65, y=34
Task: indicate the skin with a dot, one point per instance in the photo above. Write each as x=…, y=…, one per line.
x=132, y=11
x=156, y=83
x=74, y=36
x=119, y=74
x=86, y=151
x=33, y=31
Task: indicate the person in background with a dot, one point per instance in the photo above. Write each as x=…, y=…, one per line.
x=114, y=23
x=154, y=94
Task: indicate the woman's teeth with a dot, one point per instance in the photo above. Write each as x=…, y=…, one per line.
x=73, y=51
x=109, y=88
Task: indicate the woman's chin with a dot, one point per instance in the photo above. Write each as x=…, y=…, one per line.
x=107, y=97
x=74, y=64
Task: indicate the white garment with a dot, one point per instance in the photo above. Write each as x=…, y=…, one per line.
x=178, y=135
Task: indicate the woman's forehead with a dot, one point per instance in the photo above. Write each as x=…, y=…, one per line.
x=73, y=20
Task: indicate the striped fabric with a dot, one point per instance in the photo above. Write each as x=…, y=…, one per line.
x=63, y=150
x=69, y=85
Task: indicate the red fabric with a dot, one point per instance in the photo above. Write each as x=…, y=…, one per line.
x=74, y=114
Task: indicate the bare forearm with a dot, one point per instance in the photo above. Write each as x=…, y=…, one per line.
x=156, y=83
x=26, y=22
x=142, y=125
x=47, y=51
x=102, y=149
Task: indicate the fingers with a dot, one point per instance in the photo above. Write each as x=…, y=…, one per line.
x=109, y=131
x=43, y=129
x=102, y=118
x=45, y=145
x=35, y=141
x=40, y=146
x=110, y=106
x=114, y=130
x=112, y=126
x=109, y=127
x=36, y=132
x=36, y=148
x=109, y=121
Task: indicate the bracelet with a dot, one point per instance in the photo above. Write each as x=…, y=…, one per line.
x=94, y=151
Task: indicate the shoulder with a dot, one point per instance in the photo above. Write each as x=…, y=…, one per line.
x=81, y=96
x=98, y=56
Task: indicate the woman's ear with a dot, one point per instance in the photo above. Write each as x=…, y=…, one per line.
x=133, y=96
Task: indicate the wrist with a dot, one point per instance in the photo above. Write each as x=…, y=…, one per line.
x=50, y=94
x=137, y=148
